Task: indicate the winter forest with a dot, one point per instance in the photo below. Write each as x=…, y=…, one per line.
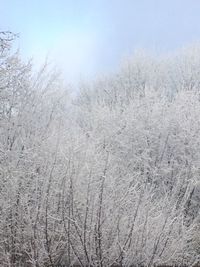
x=108, y=177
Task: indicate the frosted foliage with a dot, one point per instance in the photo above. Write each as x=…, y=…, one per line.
x=110, y=176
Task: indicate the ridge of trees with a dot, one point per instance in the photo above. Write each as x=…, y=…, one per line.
x=108, y=177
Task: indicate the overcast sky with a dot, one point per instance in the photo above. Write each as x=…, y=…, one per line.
x=88, y=37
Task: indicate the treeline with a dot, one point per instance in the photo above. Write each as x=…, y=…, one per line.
x=110, y=176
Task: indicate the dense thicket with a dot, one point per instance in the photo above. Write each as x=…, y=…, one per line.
x=110, y=176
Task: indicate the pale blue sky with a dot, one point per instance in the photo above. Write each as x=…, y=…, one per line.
x=92, y=36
